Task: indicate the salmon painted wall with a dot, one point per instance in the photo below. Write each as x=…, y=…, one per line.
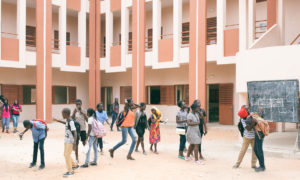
x=73, y=56
x=231, y=42
x=74, y=5
x=165, y=50
x=115, y=5
x=9, y=49
x=115, y=56
x=272, y=13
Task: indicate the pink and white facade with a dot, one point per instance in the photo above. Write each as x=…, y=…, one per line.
x=156, y=51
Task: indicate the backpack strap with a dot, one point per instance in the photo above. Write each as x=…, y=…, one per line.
x=34, y=125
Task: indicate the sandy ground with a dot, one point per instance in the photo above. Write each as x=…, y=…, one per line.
x=219, y=148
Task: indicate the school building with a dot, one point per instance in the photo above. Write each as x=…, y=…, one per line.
x=156, y=51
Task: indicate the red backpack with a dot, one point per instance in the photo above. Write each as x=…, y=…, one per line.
x=43, y=122
x=243, y=112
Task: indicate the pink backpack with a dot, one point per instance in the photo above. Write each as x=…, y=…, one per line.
x=98, y=129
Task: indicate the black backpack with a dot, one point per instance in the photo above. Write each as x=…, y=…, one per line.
x=241, y=128
x=121, y=118
x=77, y=126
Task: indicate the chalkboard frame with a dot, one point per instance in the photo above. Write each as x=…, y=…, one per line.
x=274, y=81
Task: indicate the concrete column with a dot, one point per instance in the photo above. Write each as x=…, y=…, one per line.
x=21, y=29
x=124, y=32
x=98, y=46
x=62, y=32
x=82, y=32
x=251, y=21
x=221, y=22
x=281, y=19
x=243, y=19
x=177, y=29
x=156, y=29
x=109, y=32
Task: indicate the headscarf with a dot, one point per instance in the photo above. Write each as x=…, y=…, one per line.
x=157, y=114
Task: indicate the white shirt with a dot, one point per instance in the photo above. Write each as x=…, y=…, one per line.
x=90, y=122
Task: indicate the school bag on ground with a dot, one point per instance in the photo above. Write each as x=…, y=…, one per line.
x=77, y=126
x=43, y=122
x=98, y=129
x=121, y=118
x=262, y=125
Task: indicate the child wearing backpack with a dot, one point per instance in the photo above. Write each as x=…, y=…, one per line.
x=261, y=130
x=71, y=136
x=39, y=134
x=92, y=139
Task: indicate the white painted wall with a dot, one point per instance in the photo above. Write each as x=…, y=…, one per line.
x=9, y=18
x=292, y=23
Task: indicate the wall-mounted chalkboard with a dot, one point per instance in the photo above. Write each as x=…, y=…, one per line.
x=279, y=99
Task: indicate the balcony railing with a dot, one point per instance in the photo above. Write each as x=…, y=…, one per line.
x=231, y=26
x=166, y=36
x=130, y=46
x=185, y=38
x=148, y=43
x=72, y=43
x=296, y=40
x=55, y=45
x=30, y=42
x=260, y=28
x=9, y=35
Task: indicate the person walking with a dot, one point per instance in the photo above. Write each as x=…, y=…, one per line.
x=39, y=134
x=80, y=116
x=92, y=139
x=115, y=113
x=248, y=139
x=193, y=134
x=154, y=136
x=140, y=126
x=127, y=128
x=5, y=116
x=181, y=120
x=16, y=110
x=101, y=116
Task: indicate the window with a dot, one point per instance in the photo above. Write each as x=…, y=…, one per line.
x=211, y=30
x=155, y=95
x=56, y=39
x=30, y=36
x=63, y=95
x=182, y=93
x=185, y=33
x=68, y=38
x=29, y=94
x=125, y=92
x=130, y=41
x=164, y=95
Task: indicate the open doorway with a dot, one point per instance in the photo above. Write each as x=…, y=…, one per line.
x=213, y=113
x=106, y=98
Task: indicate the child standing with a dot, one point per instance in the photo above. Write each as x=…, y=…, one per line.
x=92, y=139
x=5, y=115
x=70, y=141
x=101, y=116
x=140, y=126
x=16, y=109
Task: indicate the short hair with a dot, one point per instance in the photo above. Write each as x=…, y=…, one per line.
x=142, y=104
x=66, y=111
x=78, y=101
x=179, y=104
x=194, y=106
x=90, y=112
x=129, y=100
x=26, y=123
x=98, y=105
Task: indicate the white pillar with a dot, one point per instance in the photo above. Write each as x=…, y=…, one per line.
x=156, y=29
x=82, y=32
x=0, y=28
x=251, y=21
x=124, y=32
x=177, y=29
x=21, y=29
x=243, y=25
x=108, y=32
x=221, y=22
x=281, y=19
x=62, y=32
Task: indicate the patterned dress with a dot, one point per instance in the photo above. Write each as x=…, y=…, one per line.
x=154, y=129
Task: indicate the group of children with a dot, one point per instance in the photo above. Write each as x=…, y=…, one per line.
x=76, y=130
x=9, y=112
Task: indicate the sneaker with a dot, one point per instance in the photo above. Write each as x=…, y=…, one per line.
x=76, y=167
x=42, y=166
x=235, y=166
x=199, y=162
x=68, y=174
x=32, y=165
x=93, y=164
x=181, y=157
x=260, y=169
x=188, y=159
x=84, y=166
